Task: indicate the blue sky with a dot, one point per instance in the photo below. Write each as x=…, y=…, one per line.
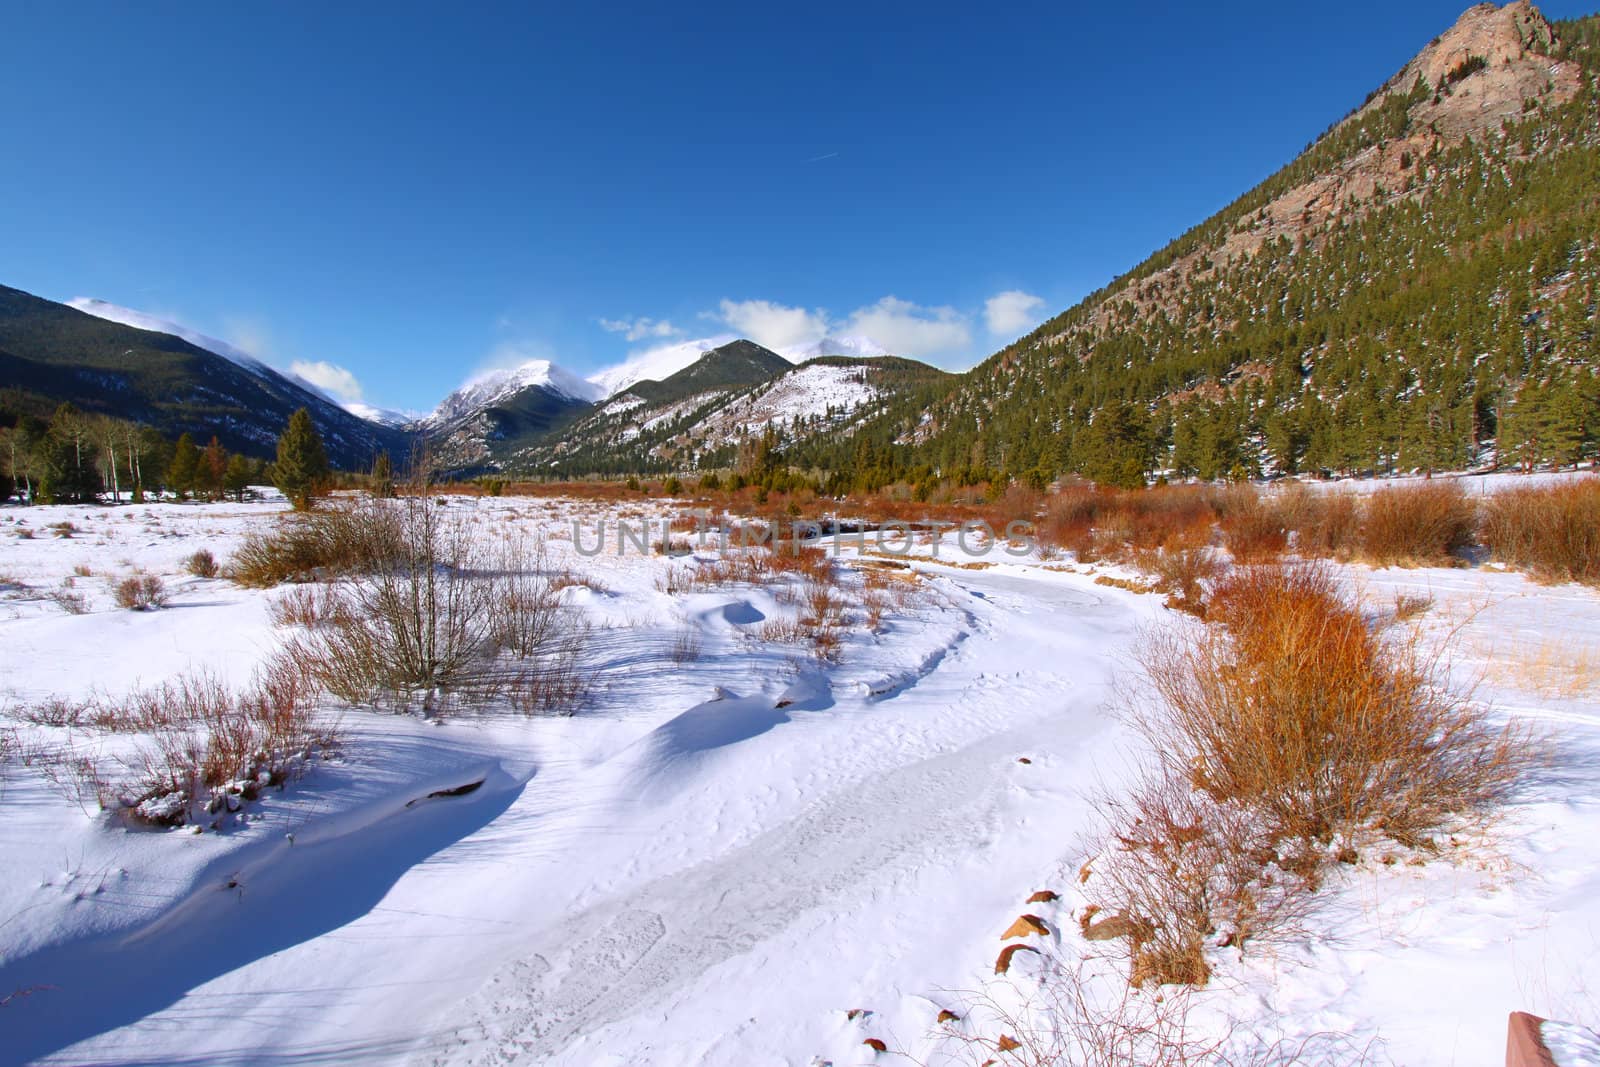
x=413, y=193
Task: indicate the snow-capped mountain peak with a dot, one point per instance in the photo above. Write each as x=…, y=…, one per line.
x=655, y=364
x=493, y=387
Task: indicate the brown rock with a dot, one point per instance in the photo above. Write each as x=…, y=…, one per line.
x=857, y=1013
x=1024, y=759
x=875, y=1045
x=1003, y=964
x=1007, y=1043
x=948, y=1016
x=1025, y=925
x=1043, y=896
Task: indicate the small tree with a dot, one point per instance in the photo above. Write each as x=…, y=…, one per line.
x=383, y=476
x=237, y=478
x=301, y=471
x=184, y=468
x=213, y=471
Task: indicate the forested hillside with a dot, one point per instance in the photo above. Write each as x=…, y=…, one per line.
x=1416, y=291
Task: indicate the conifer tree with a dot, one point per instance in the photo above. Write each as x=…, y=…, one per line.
x=237, y=478
x=301, y=470
x=184, y=469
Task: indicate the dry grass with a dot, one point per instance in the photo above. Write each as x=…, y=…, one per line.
x=686, y=646
x=202, y=564
x=346, y=538
x=1560, y=668
x=1422, y=525
x=1552, y=532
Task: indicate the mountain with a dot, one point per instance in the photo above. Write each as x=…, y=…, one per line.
x=51, y=353
x=501, y=411
x=655, y=364
x=699, y=416
x=1415, y=291
x=728, y=367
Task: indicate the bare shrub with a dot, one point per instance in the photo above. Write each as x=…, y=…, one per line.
x=201, y=743
x=552, y=681
x=784, y=631
x=202, y=564
x=339, y=540
x=1419, y=525
x=1253, y=531
x=55, y=711
x=307, y=606
x=1180, y=870
x=1083, y=1015
x=1551, y=532
x=69, y=599
x=141, y=592
x=1182, y=573
x=431, y=617
x=1292, y=707
x=1323, y=524
x=525, y=602
x=686, y=645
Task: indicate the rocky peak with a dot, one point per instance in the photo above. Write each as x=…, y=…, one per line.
x=1499, y=36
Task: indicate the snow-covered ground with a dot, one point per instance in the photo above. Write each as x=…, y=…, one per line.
x=734, y=847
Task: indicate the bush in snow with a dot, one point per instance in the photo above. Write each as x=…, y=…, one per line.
x=436, y=616
x=1553, y=532
x=141, y=592
x=202, y=564
x=1419, y=525
x=1285, y=735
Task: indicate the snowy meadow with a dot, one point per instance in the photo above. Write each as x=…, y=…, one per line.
x=450, y=779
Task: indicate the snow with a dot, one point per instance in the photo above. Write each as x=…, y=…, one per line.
x=726, y=853
x=805, y=393
x=497, y=386
x=381, y=416
x=142, y=320
x=655, y=364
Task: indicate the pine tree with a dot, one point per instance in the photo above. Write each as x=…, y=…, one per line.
x=301, y=471
x=383, y=476
x=184, y=469
x=237, y=478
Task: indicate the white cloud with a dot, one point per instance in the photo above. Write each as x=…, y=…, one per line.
x=331, y=378
x=640, y=329
x=775, y=326
x=909, y=329
x=1012, y=313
